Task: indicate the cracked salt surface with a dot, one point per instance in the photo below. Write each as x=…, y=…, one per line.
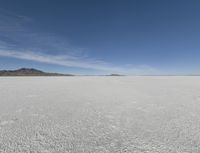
x=100, y=114
x=2, y=123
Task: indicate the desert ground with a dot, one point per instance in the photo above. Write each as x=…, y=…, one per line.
x=140, y=114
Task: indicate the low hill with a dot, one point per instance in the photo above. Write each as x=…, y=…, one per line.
x=29, y=72
x=116, y=75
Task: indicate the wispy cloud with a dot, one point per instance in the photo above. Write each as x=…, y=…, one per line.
x=12, y=22
x=72, y=61
x=63, y=60
x=18, y=41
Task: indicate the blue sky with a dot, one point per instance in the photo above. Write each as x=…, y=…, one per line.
x=101, y=36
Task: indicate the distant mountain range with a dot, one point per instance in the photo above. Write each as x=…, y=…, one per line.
x=29, y=72
x=116, y=75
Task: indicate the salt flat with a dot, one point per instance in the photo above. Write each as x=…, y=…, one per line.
x=155, y=114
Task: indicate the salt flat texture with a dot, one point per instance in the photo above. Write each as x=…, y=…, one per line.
x=100, y=114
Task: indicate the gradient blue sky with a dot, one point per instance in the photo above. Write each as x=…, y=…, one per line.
x=101, y=36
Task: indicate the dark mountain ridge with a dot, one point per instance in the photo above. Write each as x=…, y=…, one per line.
x=29, y=72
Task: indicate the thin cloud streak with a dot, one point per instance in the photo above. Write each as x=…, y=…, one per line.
x=11, y=22
x=70, y=61
x=64, y=60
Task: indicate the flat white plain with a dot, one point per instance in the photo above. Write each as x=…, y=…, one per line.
x=154, y=114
